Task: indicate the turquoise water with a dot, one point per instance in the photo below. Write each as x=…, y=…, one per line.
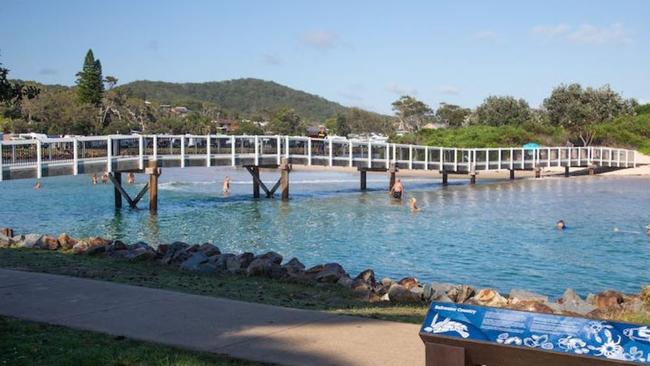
x=496, y=234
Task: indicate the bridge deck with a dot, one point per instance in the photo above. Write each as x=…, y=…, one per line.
x=97, y=154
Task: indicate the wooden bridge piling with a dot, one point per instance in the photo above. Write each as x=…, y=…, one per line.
x=445, y=178
x=363, y=174
x=538, y=172
x=117, y=182
x=566, y=172
x=285, y=168
x=255, y=171
x=472, y=177
x=154, y=172
x=512, y=174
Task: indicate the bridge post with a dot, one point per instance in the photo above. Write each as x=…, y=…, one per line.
x=392, y=172
x=538, y=172
x=256, y=186
x=363, y=181
x=566, y=171
x=512, y=174
x=118, y=196
x=285, y=168
x=445, y=178
x=154, y=172
x=472, y=177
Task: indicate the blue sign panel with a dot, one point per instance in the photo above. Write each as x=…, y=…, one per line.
x=587, y=337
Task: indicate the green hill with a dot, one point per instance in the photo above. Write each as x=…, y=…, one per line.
x=246, y=97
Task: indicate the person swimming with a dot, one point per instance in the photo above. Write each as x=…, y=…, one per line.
x=226, y=184
x=130, y=178
x=105, y=178
x=414, y=204
x=37, y=185
x=560, y=225
x=647, y=229
x=397, y=190
x=94, y=179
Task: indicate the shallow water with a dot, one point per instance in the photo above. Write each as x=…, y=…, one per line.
x=496, y=234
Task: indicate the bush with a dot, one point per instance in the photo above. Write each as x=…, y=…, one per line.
x=629, y=132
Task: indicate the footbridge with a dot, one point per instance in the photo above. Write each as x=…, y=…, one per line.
x=116, y=154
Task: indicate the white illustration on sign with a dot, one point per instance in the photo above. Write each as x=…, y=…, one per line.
x=593, y=329
x=638, y=334
x=536, y=341
x=505, y=338
x=609, y=348
x=572, y=344
x=446, y=326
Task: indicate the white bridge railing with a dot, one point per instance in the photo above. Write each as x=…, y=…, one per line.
x=210, y=150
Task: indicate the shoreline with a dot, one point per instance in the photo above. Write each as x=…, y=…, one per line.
x=208, y=259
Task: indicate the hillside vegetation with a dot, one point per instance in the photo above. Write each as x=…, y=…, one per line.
x=245, y=97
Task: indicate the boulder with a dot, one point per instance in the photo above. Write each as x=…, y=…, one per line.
x=608, y=299
x=295, y=269
x=209, y=249
x=645, y=295
x=66, y=241
x=245, y=259
x=194, y=261
x=348, y=282
x=359, y=289
x=273, y=257
x=367, y=276
x=328, y=273
x=30, y=241
x=6, y=231
x=5, y=241
x=460, y=294
x=386, y=283
x=517, y=295
x=489, y=297
x=140, y=253
x=116, y=245
x=438, y=292
x=263, y=267
x=174, y=253
x=531, y=305
x=408, y=282
x=399, y=293
x=221, y=261
x=572, y=304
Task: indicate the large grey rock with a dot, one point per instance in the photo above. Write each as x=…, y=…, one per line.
x=30, y=241
x=328, y=273
x=572, y=303
x=273, y=257
x=368, y=277
x=194, y=261
x=517, y=295
x=221, y=261
x=460, y=294
x=174, y=253
x=140, y=253
x=399, y=293
x=209, y=249
x=264, y=267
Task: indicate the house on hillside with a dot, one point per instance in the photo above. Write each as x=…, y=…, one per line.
x=226, y=126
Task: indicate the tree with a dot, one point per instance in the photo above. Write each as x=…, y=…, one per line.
x=580, y=110
x=111, y=81
x=90, y=84
x=287, y=122
x=452, y=115
x=411, y=112
x=499, y=111
x=14, y=92
x=249, y=128
x=338, y=125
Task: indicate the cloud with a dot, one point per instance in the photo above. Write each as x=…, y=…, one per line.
x=47, y=71
x=486, y=35
x=449, y=90
x=271, y=60
x=401, y=90
x=321, y=40
x=584, y=34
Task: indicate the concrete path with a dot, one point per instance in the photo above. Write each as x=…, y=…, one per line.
x=242, y=330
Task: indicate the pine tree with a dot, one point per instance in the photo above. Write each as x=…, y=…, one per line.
x=90, y=84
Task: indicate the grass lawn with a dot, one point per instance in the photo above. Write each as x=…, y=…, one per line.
x=332, y=298
x=29, y=343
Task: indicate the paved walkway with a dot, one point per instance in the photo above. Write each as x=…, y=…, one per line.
x=242, y=330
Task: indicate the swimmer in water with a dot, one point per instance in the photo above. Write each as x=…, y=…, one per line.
x=130, y=178
x=397, y=190
x=94, y=179
x=105, y=178
x=647, y=230
x=560, y=225
x=38, y=185
x=414, y=204
x=226, y=185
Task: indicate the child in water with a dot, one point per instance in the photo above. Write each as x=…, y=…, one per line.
x=560, y=225
x=413, y=203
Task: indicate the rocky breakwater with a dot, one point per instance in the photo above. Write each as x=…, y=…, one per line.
x=208, y=258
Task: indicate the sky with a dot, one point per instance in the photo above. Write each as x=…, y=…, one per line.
x=358, y=53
